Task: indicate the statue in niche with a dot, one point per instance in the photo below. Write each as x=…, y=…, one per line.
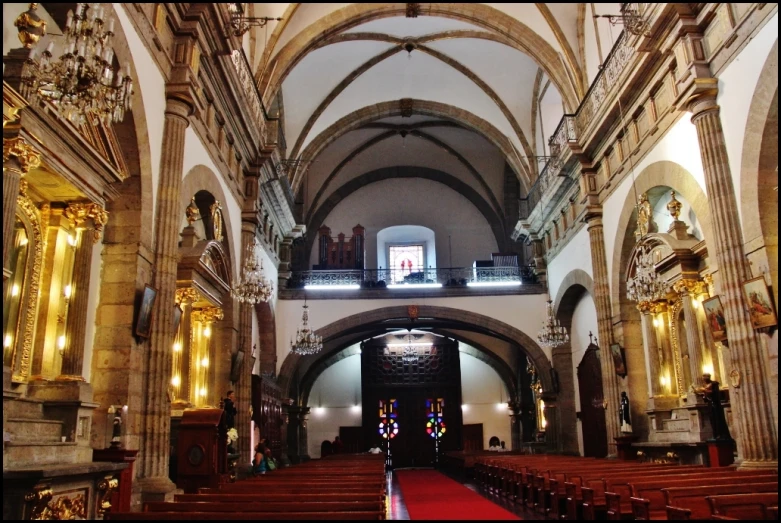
x=623, y=414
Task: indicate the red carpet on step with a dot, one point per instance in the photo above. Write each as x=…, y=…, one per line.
x=429, y=494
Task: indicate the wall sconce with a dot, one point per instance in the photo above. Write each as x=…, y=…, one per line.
x=61, y=344
x=240, y=24
x=176, y=381
x=202, y=392
x=15, y=290
x=67, y=292
x=205, y=362
x=177, y=347
x=7, y=341
x=207, y=332
x=656, y=322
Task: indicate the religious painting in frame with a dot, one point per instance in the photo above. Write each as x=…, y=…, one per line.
x=618, y=359
x=759, y=302
x=144, y=322
x=714, y=315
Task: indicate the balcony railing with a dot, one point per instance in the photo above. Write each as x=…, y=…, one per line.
x=398, y=278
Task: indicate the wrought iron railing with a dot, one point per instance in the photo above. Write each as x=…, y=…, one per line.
x=384, y=278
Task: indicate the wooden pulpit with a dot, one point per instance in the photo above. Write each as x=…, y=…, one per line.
x=202, y=450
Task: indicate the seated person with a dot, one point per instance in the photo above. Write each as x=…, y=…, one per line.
x=494, y=444
x=260, y=463
x=502, y=447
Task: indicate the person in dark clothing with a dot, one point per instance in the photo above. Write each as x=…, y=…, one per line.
x=229, y=406
x=337, y=445
x=712, y=396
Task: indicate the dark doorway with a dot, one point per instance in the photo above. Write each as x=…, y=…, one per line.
x=592, y=410
x=473, y=437
x=406, y=377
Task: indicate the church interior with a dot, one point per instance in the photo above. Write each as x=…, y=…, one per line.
x=377, y=261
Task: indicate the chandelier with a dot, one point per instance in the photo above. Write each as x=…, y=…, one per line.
x=306, y=342
x=552, y=333
x=645, y=284
x=253, y=286
x=83, y=83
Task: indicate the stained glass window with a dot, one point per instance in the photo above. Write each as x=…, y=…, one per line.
x=388, y=426
x=404, y=260
x=435, y=426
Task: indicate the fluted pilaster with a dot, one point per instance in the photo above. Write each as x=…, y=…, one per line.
x=651, y=350
x=76, y=332
x=610, y=385
x=687, y=290
x=18, y=159
x=153, y=460
x=244, y=383
x=752, y=412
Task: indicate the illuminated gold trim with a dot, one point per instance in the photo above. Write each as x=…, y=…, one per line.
x=208, y=314
x=673, y=320
x=216, y=209
x=79, y=213
x=691, y=287
x=106, y=488
x=27, y=157
x=186, y=295
x=30, y=213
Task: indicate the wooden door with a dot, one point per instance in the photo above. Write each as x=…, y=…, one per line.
x=473, y=437
x=592, y=410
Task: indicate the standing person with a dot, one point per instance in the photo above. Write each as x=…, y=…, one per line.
x=712, y=396
x=337, y=445
x=229, y=406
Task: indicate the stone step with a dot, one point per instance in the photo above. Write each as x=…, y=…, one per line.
x=23, y=408
x=23, y=429
x=41, y=453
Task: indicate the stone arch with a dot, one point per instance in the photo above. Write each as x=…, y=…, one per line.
x=662, y=173
x=572, y=288
x=201, y=178
x=524, y=39
x=333, y=332
x=318, y=217
x=422, y=107
x=759, y=169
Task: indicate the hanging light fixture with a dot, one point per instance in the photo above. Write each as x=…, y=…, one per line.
x=253, y=286
x=83, y=83
x=552, y=333
x=306, y=342
x=644, y=285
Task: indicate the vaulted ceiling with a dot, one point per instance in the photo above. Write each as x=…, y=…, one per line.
x=456, y=88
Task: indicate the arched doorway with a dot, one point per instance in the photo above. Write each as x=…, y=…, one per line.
x=592, y=409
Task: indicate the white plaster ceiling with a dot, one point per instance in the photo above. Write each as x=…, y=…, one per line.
x=490, y=80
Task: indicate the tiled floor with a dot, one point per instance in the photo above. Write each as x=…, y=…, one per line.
x=397, y=509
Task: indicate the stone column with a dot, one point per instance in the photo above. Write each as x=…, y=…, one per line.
x=561, y=357
x=153, y=459
x=244, y=383
x=610, y=386
x=303, y=435
x=688, y=290
x=515, y=425
x=552, y=430
x=757, y=435
x=88, y=219
x=291, y=414
x=18, y=159
x=651, y=348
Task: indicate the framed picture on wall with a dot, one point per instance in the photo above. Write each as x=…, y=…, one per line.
x=177, y=317
x=144, y=322
x=760, y=304
x=618, y=359
x=714, y=313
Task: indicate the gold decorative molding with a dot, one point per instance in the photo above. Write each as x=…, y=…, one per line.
x=79, y=213
x=65, y=508
x=192, y=212
x=645, y=307
x=25, y=154
x=658, y=307
x=106, y=488
x=30, y=216
x=690, y=287
x=216, y=210
x=30, y=26
x=186, y=295
x=675, y=308
x=208, y=314
x=38, y=503
x=674, y=206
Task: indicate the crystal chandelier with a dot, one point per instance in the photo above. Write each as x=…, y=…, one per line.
x=306, y=342
x=253, y=286
x=83, y=83
x=645, y=284
x=552, y=333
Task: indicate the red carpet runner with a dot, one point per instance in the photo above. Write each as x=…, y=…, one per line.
x=429, y=494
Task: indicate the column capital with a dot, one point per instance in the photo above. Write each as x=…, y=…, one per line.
x=687, y=287
x=25, y=154
x=208, y=314
x=186, y=295
x=593, y=216
x=79, y=213
x=179, y=106
x=645, y=307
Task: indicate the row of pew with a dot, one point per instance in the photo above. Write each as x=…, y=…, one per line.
x=574, y=488
x=340, y=487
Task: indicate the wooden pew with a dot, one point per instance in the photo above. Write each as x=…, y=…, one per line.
x=623, y=497
x=266, y=506
x=743, y=506
x=684, y=503
x=288, y=498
